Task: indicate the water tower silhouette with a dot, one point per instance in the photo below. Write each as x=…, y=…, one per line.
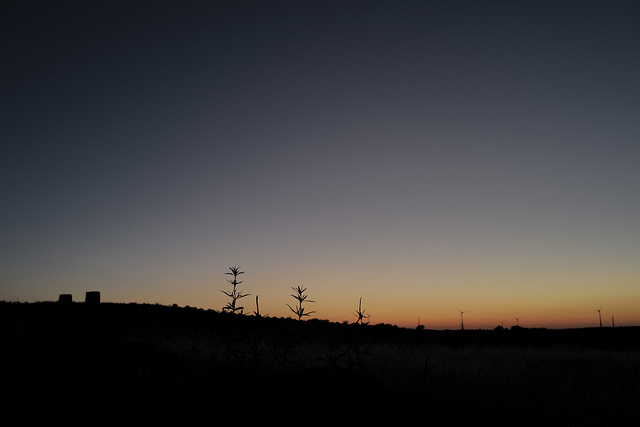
x=65, y=299
x=92, y=297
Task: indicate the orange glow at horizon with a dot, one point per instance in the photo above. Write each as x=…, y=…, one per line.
x=401, y=294
x=433, y=310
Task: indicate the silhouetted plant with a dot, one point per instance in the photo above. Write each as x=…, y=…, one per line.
x=281, y=351
x=257, y=312
x=360, y=314
x=231, y=346
x=333, y=356
x=354, y=356
x=234, y=294
x=232, y=351
x=349, y=355
x=301, y=298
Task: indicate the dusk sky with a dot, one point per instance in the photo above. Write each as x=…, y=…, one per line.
x=427, y=156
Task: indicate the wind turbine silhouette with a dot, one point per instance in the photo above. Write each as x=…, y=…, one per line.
x=461, y=319
x=517, y=321
x=600, y=315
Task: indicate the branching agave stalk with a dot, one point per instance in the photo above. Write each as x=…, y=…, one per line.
x=234, y=294
x=301, y=298
x=360, y=314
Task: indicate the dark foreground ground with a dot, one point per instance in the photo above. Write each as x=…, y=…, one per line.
x=149, y=363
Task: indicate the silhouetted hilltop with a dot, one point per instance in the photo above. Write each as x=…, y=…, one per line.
x=113, y=319
x=154, y=362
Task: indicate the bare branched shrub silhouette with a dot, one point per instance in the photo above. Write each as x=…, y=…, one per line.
x=299, y=295
x=234, y=294
x=360, y=314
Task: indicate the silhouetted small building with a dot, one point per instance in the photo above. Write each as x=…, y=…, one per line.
x=92, y=297
x=65, y=299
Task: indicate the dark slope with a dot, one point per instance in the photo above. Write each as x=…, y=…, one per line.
x=151, y=363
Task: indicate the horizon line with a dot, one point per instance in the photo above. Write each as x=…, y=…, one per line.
x=419, y=326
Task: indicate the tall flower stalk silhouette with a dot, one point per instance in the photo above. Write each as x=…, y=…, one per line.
x=360, y=314
x=299, y=296
x=234, y=294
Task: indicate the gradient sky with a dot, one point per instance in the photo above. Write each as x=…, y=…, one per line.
x=425, y=156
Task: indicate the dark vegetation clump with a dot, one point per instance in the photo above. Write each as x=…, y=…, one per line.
x=148, y=363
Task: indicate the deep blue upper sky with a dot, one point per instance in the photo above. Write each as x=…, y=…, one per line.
x=172, y=139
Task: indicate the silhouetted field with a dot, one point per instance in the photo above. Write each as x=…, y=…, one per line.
x=141, y=362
